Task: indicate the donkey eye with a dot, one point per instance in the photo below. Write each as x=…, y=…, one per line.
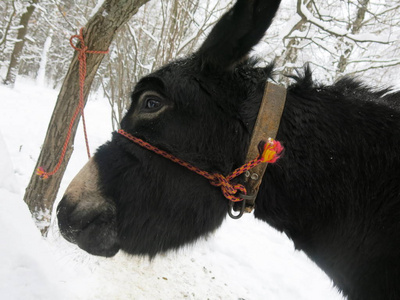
x=152, y=103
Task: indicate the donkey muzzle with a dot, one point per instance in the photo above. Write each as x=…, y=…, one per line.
x=86, y=217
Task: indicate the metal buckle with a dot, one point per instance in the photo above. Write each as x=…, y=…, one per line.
x=247, y=206
x=247, y=197
x=241, y=212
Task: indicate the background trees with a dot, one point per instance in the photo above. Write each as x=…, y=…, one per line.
x=19, y=43
x=356, y=37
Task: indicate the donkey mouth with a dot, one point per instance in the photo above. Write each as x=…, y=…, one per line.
x=92, y=230
x=86, y=217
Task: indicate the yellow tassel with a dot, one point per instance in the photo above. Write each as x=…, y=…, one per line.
x=42, y=173
x=271, y=151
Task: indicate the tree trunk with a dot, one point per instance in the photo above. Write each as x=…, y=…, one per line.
x=19, y=44
x=355, y=28
x=98, y=34
x=290, y=53
x=7, y=27
x=41, y=74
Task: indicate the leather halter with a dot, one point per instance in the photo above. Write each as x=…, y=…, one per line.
x=266, y=126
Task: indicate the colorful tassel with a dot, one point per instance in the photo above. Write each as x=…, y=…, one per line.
x=270, y=151
x=42, y=173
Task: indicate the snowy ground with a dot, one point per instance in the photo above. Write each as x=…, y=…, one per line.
x=244, y=259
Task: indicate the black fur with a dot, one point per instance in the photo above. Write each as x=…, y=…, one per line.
x=335, y=192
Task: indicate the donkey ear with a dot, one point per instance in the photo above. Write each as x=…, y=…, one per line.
x=237, y=32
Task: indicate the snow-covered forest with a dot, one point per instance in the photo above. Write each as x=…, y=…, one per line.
x=356, y=37
x=338, y=38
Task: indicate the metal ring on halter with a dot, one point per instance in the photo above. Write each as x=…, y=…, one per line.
x=241, y=212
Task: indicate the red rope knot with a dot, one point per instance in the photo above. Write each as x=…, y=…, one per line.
x=83, y=49
x=228, y=188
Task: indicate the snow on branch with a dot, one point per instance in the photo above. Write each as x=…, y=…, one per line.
x=150, y=35
x=376, y=16
x=382, y=62
x=339, y=32
x=96, y=8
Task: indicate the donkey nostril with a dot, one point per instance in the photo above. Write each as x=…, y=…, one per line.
x=90, y=223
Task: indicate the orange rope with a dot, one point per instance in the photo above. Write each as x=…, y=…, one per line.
x=269, y=152
x=79, y=109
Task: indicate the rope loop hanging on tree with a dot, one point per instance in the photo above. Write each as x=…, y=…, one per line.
x=82, y=51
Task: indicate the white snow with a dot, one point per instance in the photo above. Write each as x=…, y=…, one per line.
x=244, y=259
x=7, y=178
x=287, y=28
x=97, y=7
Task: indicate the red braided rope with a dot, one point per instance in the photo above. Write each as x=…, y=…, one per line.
x=80, y=108
x=269, y=152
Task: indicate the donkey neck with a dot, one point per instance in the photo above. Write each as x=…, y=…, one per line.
x=325, y=185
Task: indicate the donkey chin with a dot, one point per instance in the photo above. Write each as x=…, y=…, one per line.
x=86, y=217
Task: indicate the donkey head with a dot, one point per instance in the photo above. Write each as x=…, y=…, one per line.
x=202, y=110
